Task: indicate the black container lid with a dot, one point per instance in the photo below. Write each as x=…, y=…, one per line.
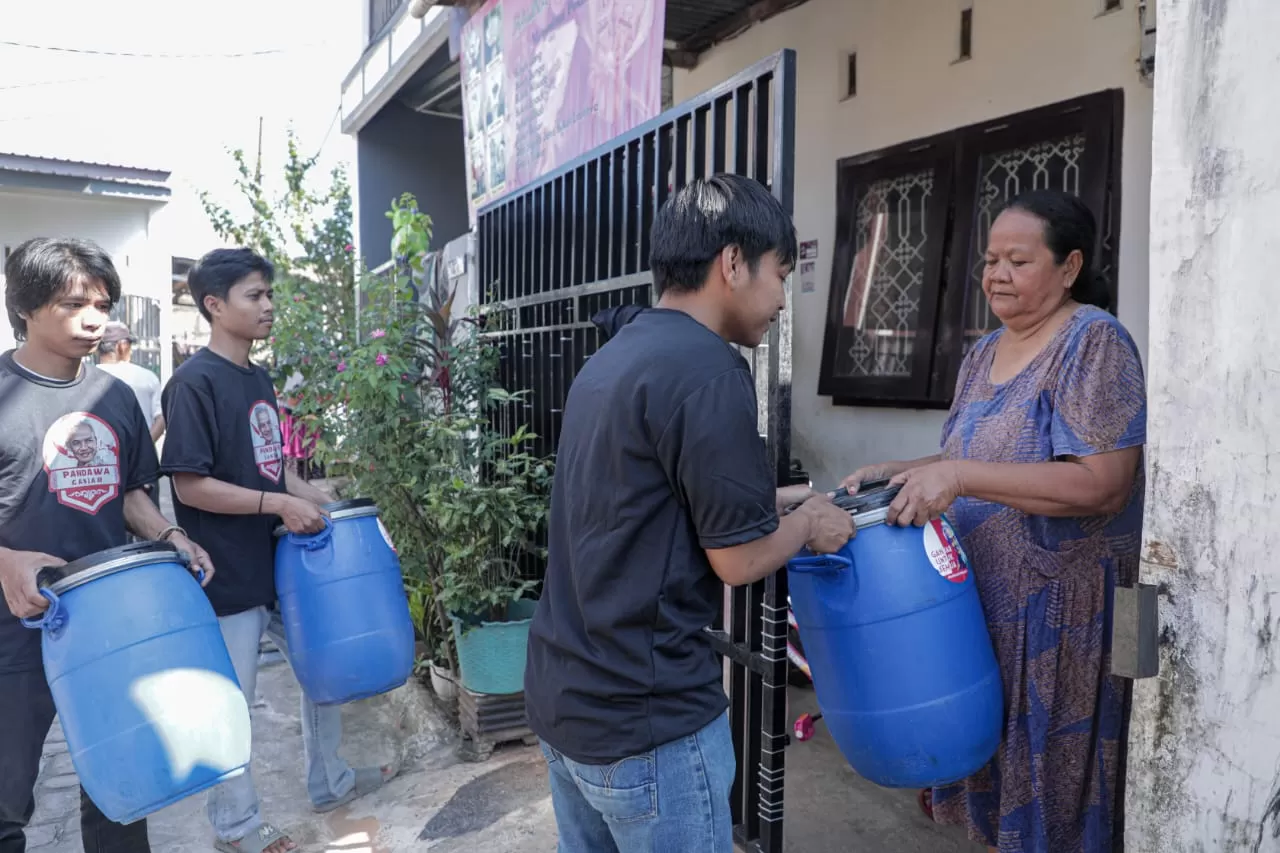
x=110, y=561
x=872, y=497
x=349, y=504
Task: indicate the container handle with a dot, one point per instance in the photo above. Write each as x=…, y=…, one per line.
x=54, y=619
x=820, y=564
x=312, y=541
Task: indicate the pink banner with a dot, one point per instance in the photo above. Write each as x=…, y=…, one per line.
x=545, y=81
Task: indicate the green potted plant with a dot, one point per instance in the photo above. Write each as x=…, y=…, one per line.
x=488, y=514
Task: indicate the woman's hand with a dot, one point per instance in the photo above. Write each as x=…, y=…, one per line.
x=927, y=492
x=871, y=473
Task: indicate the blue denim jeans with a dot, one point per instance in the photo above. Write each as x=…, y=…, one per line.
x=233, y=806
x=673, y=799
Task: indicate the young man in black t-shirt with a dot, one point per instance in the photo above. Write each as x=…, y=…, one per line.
x=224, y=454
x=663, y=493
x=76, y=457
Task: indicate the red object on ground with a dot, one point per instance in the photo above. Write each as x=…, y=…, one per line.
x=925, y=799
x=805, y=726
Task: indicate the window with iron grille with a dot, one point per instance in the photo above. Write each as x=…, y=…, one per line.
x=906, y=299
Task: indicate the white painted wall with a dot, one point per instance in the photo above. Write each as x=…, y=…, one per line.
x=1026, y=53
x=1205, y=737
x=124, y=228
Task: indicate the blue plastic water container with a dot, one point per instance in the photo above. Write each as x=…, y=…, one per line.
x=346, y=615
x=141, y=678
x=901, y=658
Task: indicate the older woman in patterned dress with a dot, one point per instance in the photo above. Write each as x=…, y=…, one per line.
x=1041, y=473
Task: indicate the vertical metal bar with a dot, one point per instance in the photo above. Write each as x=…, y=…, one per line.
x=603, y=244
x=774, y=593
x=700, y=142
x=635, y=205
x=560, y=200
x=648, y=201
x=719, y=144
x=681, y=153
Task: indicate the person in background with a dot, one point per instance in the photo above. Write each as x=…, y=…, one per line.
x=1041, y=474
x=115, y=355
x=664, y=493
x=224, y=455
x=75, y=456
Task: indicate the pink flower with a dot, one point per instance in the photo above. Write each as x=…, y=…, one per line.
x=297, y=298
x=378, y=333
x=306, y=359
x=342, y=366
x=348, y=248
x=381, y=359
x=404, y=377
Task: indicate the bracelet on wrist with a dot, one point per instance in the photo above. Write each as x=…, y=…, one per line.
x=168, y=532
x=262, y=496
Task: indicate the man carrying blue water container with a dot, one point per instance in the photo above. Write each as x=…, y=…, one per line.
x=225, y=455
x=664, y=493
x=76, y=460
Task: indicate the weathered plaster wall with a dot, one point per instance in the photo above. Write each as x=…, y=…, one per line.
x=1205, y=742
x=1026, y=53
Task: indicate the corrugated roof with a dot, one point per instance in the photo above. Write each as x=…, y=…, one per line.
x=696, y=25
x=114, y=172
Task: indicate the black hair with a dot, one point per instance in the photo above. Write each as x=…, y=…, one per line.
x=707, y=216
x=1069, y=226
x=39, y=270
x=222, y=269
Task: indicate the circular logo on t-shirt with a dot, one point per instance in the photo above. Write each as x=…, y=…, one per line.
x=82, y=458
x=944, y=551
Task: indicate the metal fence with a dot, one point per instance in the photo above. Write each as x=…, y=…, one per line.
x=577, y=241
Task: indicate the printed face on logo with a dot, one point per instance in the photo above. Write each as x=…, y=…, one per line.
x=82, y=458
x=268, y=449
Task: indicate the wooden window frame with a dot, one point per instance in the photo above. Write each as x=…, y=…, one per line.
x=955, y=158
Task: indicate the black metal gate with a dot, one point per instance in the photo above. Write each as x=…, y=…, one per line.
x=576, y=241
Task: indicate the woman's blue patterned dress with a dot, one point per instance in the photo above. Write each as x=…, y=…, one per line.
x=1046, y=585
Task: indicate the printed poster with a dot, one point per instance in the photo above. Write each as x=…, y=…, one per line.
x=545, y=81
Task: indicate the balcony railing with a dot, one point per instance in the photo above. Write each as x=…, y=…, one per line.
x=380, y=14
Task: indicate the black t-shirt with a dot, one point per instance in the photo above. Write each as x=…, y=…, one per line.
x=69, y=451
x=659, y=459
x=221, y=421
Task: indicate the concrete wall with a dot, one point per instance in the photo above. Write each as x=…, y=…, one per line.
x=404, y=151
x=1205, y=738
x=1026, y=53
x=125, y=229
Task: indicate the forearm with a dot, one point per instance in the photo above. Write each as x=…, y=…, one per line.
x=210, y=495
x=157, y=428
x=893, y=469
x=1055, y=489
x=746, y=564
x=300, y=488
x=141, y=515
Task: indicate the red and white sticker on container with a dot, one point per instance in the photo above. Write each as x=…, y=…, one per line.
x=386, y=535
x=944, y=551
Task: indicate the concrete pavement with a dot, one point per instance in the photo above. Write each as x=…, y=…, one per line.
x=437, y=803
